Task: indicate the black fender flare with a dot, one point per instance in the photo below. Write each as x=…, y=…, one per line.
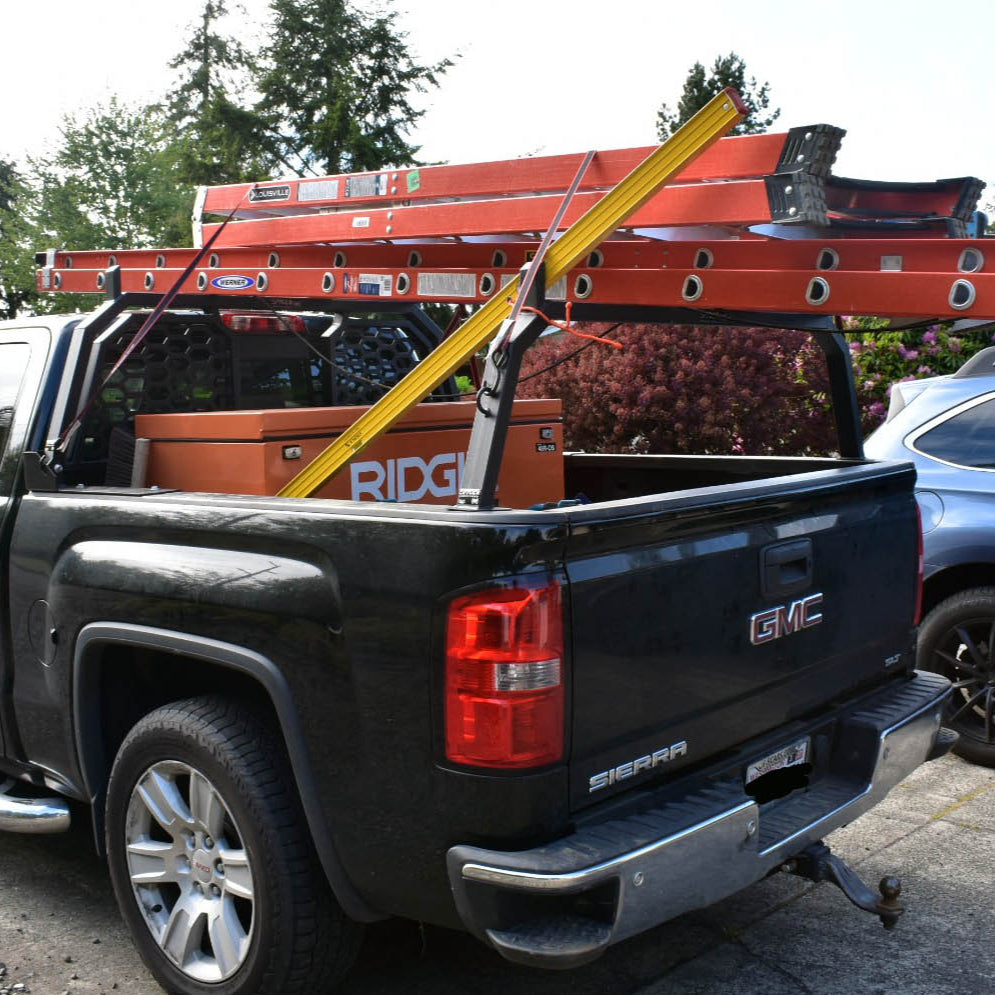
x=90, y=750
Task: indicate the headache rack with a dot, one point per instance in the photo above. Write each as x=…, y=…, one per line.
x=703, y=229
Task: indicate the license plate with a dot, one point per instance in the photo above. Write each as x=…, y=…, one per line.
x=789, y=756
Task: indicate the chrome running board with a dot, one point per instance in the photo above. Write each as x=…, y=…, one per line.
x=31, y=815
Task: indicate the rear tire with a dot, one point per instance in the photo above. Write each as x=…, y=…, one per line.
x=957, y=639
x=212, y=864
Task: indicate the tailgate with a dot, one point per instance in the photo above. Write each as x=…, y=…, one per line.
x=706, y=617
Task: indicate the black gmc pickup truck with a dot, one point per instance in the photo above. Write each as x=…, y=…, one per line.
x=552, y=727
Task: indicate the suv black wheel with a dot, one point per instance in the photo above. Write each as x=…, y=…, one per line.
x=212, y=863
x=957, y=639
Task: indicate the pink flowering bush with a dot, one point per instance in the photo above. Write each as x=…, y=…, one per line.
x=676, y=389
x=709, y=389
x=882, y=357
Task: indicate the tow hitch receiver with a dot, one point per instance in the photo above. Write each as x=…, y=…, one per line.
x=816, y=863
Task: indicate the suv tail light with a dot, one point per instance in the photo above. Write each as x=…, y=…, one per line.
x=920, y=568
x=504, y=677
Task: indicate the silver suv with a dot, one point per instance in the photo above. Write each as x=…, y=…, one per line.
x=946, y=426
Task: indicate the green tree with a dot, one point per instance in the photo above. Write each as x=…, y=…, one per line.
x=221, y=138
x=338, y=85
x=112, y=182
x=700, y=87
x=17, y=268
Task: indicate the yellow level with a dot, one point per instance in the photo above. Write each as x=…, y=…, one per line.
x=716, y=118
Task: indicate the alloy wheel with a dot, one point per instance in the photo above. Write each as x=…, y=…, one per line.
x=190, y=871
x=966, y=654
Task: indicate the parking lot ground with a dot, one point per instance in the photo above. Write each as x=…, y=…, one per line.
x=60, y=931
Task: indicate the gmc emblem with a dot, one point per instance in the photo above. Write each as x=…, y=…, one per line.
x=766, y=626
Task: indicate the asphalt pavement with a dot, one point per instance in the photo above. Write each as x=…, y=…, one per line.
x=60, y=931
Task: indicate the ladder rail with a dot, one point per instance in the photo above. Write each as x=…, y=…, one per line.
x=78, y=271
x=912, y=292
x=735, y=202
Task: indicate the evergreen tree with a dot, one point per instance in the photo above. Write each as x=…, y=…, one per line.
x=213, y=64
x=221, y=139
x=699, y=88
x=339, y=85
x=17, y=269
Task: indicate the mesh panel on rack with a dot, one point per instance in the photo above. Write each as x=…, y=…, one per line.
x=382, y=355
x=182, y=366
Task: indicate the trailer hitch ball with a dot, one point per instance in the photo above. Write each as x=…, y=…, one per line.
x=891, y=889
x=816, y=863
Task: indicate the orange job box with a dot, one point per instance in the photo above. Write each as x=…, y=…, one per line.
x=420, y=459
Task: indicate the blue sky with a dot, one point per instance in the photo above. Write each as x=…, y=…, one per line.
x=909, y=81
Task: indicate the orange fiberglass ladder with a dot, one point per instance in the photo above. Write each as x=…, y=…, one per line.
x=703, y=224
x=757, y=203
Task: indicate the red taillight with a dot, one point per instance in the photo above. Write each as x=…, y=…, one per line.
x=504, y=677
x=263, y=324
x=920, y=568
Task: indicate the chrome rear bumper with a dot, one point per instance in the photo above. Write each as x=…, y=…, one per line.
x=564, y=903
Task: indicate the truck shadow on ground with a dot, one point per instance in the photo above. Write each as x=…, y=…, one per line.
x=402, y=956
x=60, y=928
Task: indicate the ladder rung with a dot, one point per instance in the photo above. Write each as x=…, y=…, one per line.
x=954, y=198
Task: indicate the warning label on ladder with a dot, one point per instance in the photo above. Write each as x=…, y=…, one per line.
x=318, y=190
x=368, y=284
x=372, y=185
x=447, y=284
